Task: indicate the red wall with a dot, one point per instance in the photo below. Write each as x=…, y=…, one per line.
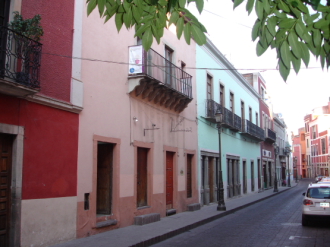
x=57, y=22
x=50, y=147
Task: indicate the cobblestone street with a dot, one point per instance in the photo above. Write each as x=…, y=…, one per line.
x=272, y=222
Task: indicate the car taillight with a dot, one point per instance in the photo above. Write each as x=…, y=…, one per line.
x=307, y=202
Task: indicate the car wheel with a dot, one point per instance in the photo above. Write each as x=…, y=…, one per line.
x=304, y=221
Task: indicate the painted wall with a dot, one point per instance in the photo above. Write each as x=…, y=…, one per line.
x=108, y=114
x=58, y=217
x=48, y=177
x=264, y=109
x=50, y=147
x=232, y=143
x=57, y=22
x=49, y=170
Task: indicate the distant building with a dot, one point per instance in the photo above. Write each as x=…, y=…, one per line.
x=317, y=124
x=283, y=161
x=227, y=91
x=266, y=178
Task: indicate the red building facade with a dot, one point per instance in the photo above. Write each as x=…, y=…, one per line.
x=38, y=128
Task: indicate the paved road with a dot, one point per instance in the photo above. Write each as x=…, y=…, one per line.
x=272, y=222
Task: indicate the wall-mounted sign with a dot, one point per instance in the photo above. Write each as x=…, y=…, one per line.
x=135, y=59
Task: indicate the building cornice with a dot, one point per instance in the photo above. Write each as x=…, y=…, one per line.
x=55, y=103
x=215, y=51
x=280, y=122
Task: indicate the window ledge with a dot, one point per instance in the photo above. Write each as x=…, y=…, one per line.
x=144, y=207
x=106, y=223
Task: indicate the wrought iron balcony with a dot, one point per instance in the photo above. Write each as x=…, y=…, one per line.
x=281, y=152
x=153, y=77
x=237, y=123
x=231, y=120
x=270, y=136
x=253, y=131
x=20, y=60
x=211, y=109
x=228, y=118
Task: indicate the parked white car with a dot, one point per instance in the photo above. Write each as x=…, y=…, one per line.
x=324, y=179
x=316, y=204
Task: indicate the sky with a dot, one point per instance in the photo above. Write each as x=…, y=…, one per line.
x=230, y=30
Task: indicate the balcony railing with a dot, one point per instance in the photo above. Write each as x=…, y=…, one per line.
x=237, y=123
x=211, y=109
x=231, y=120
x=159, y=69
x=253, y=131
x=228, y=118
x=270, y=135
x=20, y=59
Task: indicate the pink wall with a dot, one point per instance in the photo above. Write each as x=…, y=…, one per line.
x=109, y=108
x=57, y=22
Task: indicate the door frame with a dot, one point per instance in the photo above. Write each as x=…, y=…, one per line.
x=150, y=161
x=115, y=176
x=175, y=175
x=171, y=156
x=142, y=199
x=16, y=180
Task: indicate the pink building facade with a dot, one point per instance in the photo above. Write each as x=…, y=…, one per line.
x=138, y=129
x=318, y=125
x=296, y=156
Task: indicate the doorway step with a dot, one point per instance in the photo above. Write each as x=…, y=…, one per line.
x=170, y=212
x=146, y=219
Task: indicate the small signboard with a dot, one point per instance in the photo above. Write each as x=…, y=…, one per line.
x=135, y=59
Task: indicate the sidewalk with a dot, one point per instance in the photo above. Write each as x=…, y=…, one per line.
x=169, y=226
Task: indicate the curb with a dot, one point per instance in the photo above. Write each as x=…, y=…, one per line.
x=160, y=238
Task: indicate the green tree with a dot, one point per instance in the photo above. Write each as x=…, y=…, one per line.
x=295, y=28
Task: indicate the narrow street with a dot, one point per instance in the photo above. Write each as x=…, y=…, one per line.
x=272, y=222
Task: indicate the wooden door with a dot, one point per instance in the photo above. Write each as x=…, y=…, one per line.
x=6, y=142
x=169, y=178
x=142, y=178
x=104, y=178
x=244, y=178
x=259, y=175
x=189, y=175
x=264, y=172
x=252, y=176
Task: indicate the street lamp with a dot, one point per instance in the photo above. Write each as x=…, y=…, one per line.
x=275, y=181
x=295, y=164
x=287, y=151
x=221, y=201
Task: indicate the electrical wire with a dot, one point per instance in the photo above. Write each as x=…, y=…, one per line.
x=125, y=63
